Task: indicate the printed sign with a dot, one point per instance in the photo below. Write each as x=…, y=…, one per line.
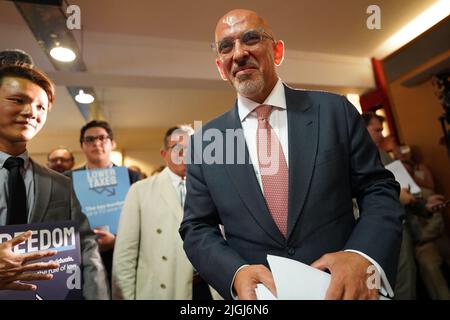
x=102, y=193
x=60, y=236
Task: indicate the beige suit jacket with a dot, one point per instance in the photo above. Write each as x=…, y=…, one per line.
x=149, y=260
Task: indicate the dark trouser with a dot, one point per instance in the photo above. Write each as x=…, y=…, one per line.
x=405, y=288
x=107, y=258
x=200, y=289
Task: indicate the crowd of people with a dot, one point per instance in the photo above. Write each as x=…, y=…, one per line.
x=425, y=243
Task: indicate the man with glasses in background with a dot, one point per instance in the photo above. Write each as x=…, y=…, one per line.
x=60, y=159
x=149, y=260
x=97, y=142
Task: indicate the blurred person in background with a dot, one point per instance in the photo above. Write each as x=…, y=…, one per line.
x=97, y=142
x=419, y=171
x=149, y=260
x=142, y=174
x=60, y=159
x=15, y=57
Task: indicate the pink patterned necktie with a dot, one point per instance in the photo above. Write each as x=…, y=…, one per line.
x=273, y=168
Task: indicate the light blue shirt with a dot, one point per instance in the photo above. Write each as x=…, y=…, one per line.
x=27, y=173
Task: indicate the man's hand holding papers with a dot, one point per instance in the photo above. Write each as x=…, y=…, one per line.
x=298, y=281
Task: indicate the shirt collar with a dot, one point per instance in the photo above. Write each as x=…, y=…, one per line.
x=4, y=156
x=176, y=179
x=276, y=98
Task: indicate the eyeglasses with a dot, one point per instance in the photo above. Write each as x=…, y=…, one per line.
x=249, y=38
x=64, y=160
x=178, y=148
x=91, y=139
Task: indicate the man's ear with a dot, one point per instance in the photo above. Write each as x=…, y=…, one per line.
x=279, y=52
x=163, y=152
x=219, y=67
x=113, y=144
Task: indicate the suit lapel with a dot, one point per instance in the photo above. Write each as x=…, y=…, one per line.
x=168, y=194
x=42, y=187
x=303, y=128
x=246, y=184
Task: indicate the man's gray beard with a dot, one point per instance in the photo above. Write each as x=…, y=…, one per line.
x=248, y=87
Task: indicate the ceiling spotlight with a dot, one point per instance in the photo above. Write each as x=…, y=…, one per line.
x=63, y=54
x=84, y=98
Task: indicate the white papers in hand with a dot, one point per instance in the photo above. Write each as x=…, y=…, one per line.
x=402, y=176
x=295, y=281
x=262, y=293
x=298, y=281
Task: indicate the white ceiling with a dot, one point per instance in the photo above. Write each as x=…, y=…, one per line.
x=151, y=65
x=65, y=109
x=326, y=26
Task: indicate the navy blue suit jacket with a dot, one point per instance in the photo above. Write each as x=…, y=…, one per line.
x=332, y=159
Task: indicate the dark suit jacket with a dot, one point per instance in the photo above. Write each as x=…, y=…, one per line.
x=56, y=201
x=331, y=160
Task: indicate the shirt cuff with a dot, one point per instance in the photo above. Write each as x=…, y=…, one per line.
x=233, y=295
x=386, y=288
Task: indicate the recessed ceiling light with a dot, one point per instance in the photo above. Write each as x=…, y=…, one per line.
x=84, y=98
x=63, y=54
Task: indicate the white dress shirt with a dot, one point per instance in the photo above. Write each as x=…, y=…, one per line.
x=179, y=184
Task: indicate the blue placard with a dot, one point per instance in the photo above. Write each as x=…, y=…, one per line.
x=102, y=193
x=60, y=236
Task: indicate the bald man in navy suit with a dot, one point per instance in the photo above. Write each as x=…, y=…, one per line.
x=328, y=158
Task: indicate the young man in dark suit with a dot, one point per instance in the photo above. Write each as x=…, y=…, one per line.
x=39, y=194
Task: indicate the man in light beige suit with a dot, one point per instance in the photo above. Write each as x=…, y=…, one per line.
x=149, y=261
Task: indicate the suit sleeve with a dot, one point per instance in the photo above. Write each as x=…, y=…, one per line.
x=134, y=176
x=378, y=231
x=95, y=285
x=127, y=248
x=203, y=242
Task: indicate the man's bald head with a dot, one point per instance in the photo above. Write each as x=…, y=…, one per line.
x=247, y=53
x=237, y=17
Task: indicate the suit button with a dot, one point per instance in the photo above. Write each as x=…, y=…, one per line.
x=164, y=258
x=290, y=251
x=163, y=286
x=158, y=230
